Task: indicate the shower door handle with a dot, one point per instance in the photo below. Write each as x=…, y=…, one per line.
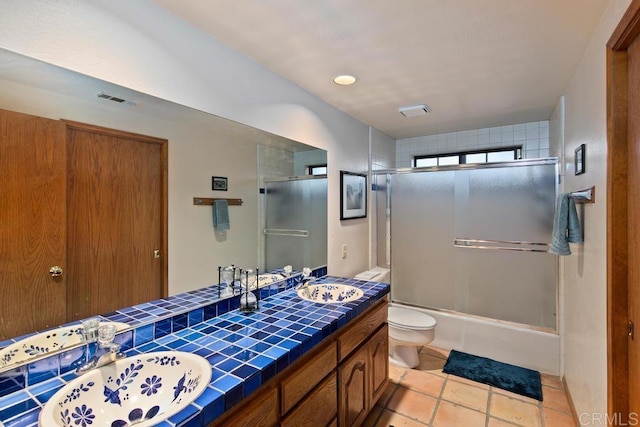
x=286, y=232
x=499, y=245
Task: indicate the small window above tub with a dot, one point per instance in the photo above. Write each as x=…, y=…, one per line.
x=317, y=169
x=503, y=154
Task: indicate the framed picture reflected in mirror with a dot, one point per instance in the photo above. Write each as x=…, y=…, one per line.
x=219, y=183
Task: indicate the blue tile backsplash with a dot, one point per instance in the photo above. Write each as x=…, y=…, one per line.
x=244, y=350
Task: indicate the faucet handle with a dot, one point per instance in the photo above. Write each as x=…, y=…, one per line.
x=114, y=349
x=106, y=334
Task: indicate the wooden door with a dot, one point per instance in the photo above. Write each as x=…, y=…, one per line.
x=378, y=363
x=116, y=215
x=353, y=393
x=32, y=223
x=634, y=222
x=623, y=218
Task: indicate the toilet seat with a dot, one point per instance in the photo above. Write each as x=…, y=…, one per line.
x=409, y=319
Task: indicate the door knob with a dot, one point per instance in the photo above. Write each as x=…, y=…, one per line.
x=55, y=271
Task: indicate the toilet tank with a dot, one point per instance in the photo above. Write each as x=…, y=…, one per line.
x=376, y=274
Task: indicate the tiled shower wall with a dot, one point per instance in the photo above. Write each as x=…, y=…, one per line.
x=533, y=137
x=303, y=159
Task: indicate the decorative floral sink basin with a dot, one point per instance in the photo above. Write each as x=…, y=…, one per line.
x=141, y=390
x=330, y=293
x=45, y=343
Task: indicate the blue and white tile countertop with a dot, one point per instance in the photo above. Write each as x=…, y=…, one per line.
x=244, y=350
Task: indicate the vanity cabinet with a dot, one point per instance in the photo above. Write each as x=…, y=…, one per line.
x=319, y=408
x=261, y=411
x=363, y=376
x=336, y=384
x=295, y=387
x=378, y=348
x=363, y=379
x=354, y=388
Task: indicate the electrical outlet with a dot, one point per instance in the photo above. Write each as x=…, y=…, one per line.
x=344, y=251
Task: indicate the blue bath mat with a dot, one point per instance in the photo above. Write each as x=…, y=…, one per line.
x=515, y=379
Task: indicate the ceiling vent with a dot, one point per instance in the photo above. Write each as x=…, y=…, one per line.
x=115, y=99
x=415, y=110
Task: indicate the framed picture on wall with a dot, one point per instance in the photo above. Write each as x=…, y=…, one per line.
x=580, y=160
x=219, y=183
x=353, y=195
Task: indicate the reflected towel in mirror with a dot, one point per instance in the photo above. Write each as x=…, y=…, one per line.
x=221, y=215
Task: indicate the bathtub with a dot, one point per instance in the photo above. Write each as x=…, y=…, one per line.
x=503, y=341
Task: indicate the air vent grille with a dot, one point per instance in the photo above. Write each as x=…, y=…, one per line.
x=415, y=110
x=115, y=99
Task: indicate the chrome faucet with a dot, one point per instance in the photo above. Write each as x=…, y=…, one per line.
x=106, y=353
x=287, y=271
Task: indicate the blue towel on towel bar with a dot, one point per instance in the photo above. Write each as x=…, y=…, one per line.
x=566, y=226
x=221, y=215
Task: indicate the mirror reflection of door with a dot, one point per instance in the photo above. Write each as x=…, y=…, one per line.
x=89, y=200
x=32, y=223
x=115, y=220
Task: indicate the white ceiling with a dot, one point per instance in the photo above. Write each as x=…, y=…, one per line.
x=476, y=63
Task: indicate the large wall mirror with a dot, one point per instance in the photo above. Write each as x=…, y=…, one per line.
x=281, y=201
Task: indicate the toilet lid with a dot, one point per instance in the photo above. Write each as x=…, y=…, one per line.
x=410, y=319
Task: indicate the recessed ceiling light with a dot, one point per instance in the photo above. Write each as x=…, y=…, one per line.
x=344, y=80
x=415, y=110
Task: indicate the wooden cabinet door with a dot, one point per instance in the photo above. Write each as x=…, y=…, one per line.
x=256, y=411
x=296, y=386
x=353, y=392
x=319, y=408
x=32, y=223
x=379, y=363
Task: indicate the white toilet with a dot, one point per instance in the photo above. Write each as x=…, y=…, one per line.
x=409, y=329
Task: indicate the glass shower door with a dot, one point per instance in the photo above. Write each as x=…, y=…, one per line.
x=465, y=239
x=296, y=223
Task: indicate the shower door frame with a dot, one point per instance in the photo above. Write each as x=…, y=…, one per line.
x=306, y=233
x=474, y=166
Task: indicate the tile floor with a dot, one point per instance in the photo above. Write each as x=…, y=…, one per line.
x=425, y=396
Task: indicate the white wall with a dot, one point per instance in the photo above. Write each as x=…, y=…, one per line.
x=139, y=45
x=585, y=340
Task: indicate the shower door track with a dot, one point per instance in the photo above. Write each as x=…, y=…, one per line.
x=470, y=166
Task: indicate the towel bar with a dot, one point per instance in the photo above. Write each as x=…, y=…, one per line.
x=204, y=201
x=588, y=195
